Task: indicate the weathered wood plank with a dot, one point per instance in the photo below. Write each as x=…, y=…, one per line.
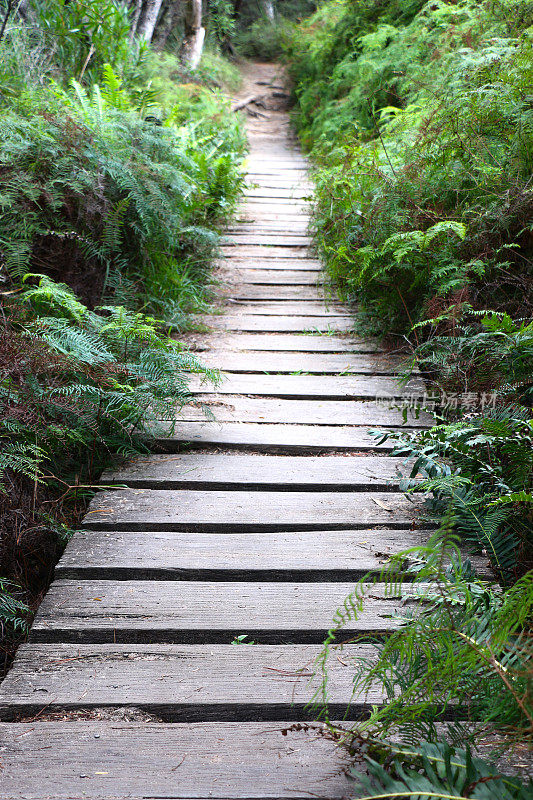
x=313, y=412
x=267, y=239
x=182, y=509
x=280, y=556
x=275, y=324
x=306, y=265
x=272, y=438
x=119, y=760
x=289, y=342
x=287, y=308
x=221, y=471
x=265, y=251
x=306, y=387
x=275, y=292
x=319, y=363
x=198, y=611
x=278, y=193
x=266, y=277
x=182, y=683
x=286, y=227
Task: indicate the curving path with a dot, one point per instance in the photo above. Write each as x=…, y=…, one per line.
x=130, y=686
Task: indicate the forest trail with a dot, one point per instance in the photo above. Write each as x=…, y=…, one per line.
x=130, y=686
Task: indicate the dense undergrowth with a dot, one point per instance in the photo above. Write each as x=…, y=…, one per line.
x=419, y=119
x=117, y=167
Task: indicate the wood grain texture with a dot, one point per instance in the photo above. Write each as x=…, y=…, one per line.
x=309, y=265
x=274, y=292
x=272, y=438
x=318, y=363
x=289, y=342
x=182, y=683
x=180, y=509
x=215, y=470
x=328, y=387
x=284, y=556
x=256, y=238
x=120, y=760
x=271, y=277
x=194, y=612
x=257, y=323
x=286, y=308
x=236, y=408
x=260, y=251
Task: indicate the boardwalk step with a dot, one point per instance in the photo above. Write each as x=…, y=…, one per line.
x=217, y=510
x=260, y=251
x=305, y=265
x=291, y=308
x=273, y=438
x=214, y=470
x=269, y=277
x=278, y=240
x=275, y=292
x=196, y=612
x=289, y=342
x=345, y=555
x=319, y=363
x=329, y=387
x=119, y=759
x=230, y=408
x=181, y=683
x=252, y=322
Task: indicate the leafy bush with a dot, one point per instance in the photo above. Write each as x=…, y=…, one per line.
x=424, y=121
x=461, y=652
x=263, y=39
x=105, y=201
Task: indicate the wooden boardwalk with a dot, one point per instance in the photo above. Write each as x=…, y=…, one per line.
x=130, y=686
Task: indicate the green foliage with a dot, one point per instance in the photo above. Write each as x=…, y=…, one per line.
x=83, y=36
x=96, y=382
x=14, y=613
x=436, y=770
x=418, y=116
x=263, y=39
x=91, y=189
x=462, y=648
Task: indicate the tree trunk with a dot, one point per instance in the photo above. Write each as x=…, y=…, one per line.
x=193, y=42
x=268, y=9
x=148, y=19
x=165, y=23
x=135, y=7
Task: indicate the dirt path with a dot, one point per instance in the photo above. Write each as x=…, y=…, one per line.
x=134, y=683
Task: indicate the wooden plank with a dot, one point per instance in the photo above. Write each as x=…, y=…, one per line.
x=217, y=510
x=278, y=193
x=267, y=239
x=307, y=265
x=329, y=387
x=274, y=292
x=119, y=760
x=196, y=611
x=272, y=438
x=182, y=683
x=231, y=408
x=258, y=323
x=319, y=363
x=264, y=251
x=267, y=225
x=280, y=556
x=289, y=342
x=276, y=277
x=221, y=471
x=287, y=308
